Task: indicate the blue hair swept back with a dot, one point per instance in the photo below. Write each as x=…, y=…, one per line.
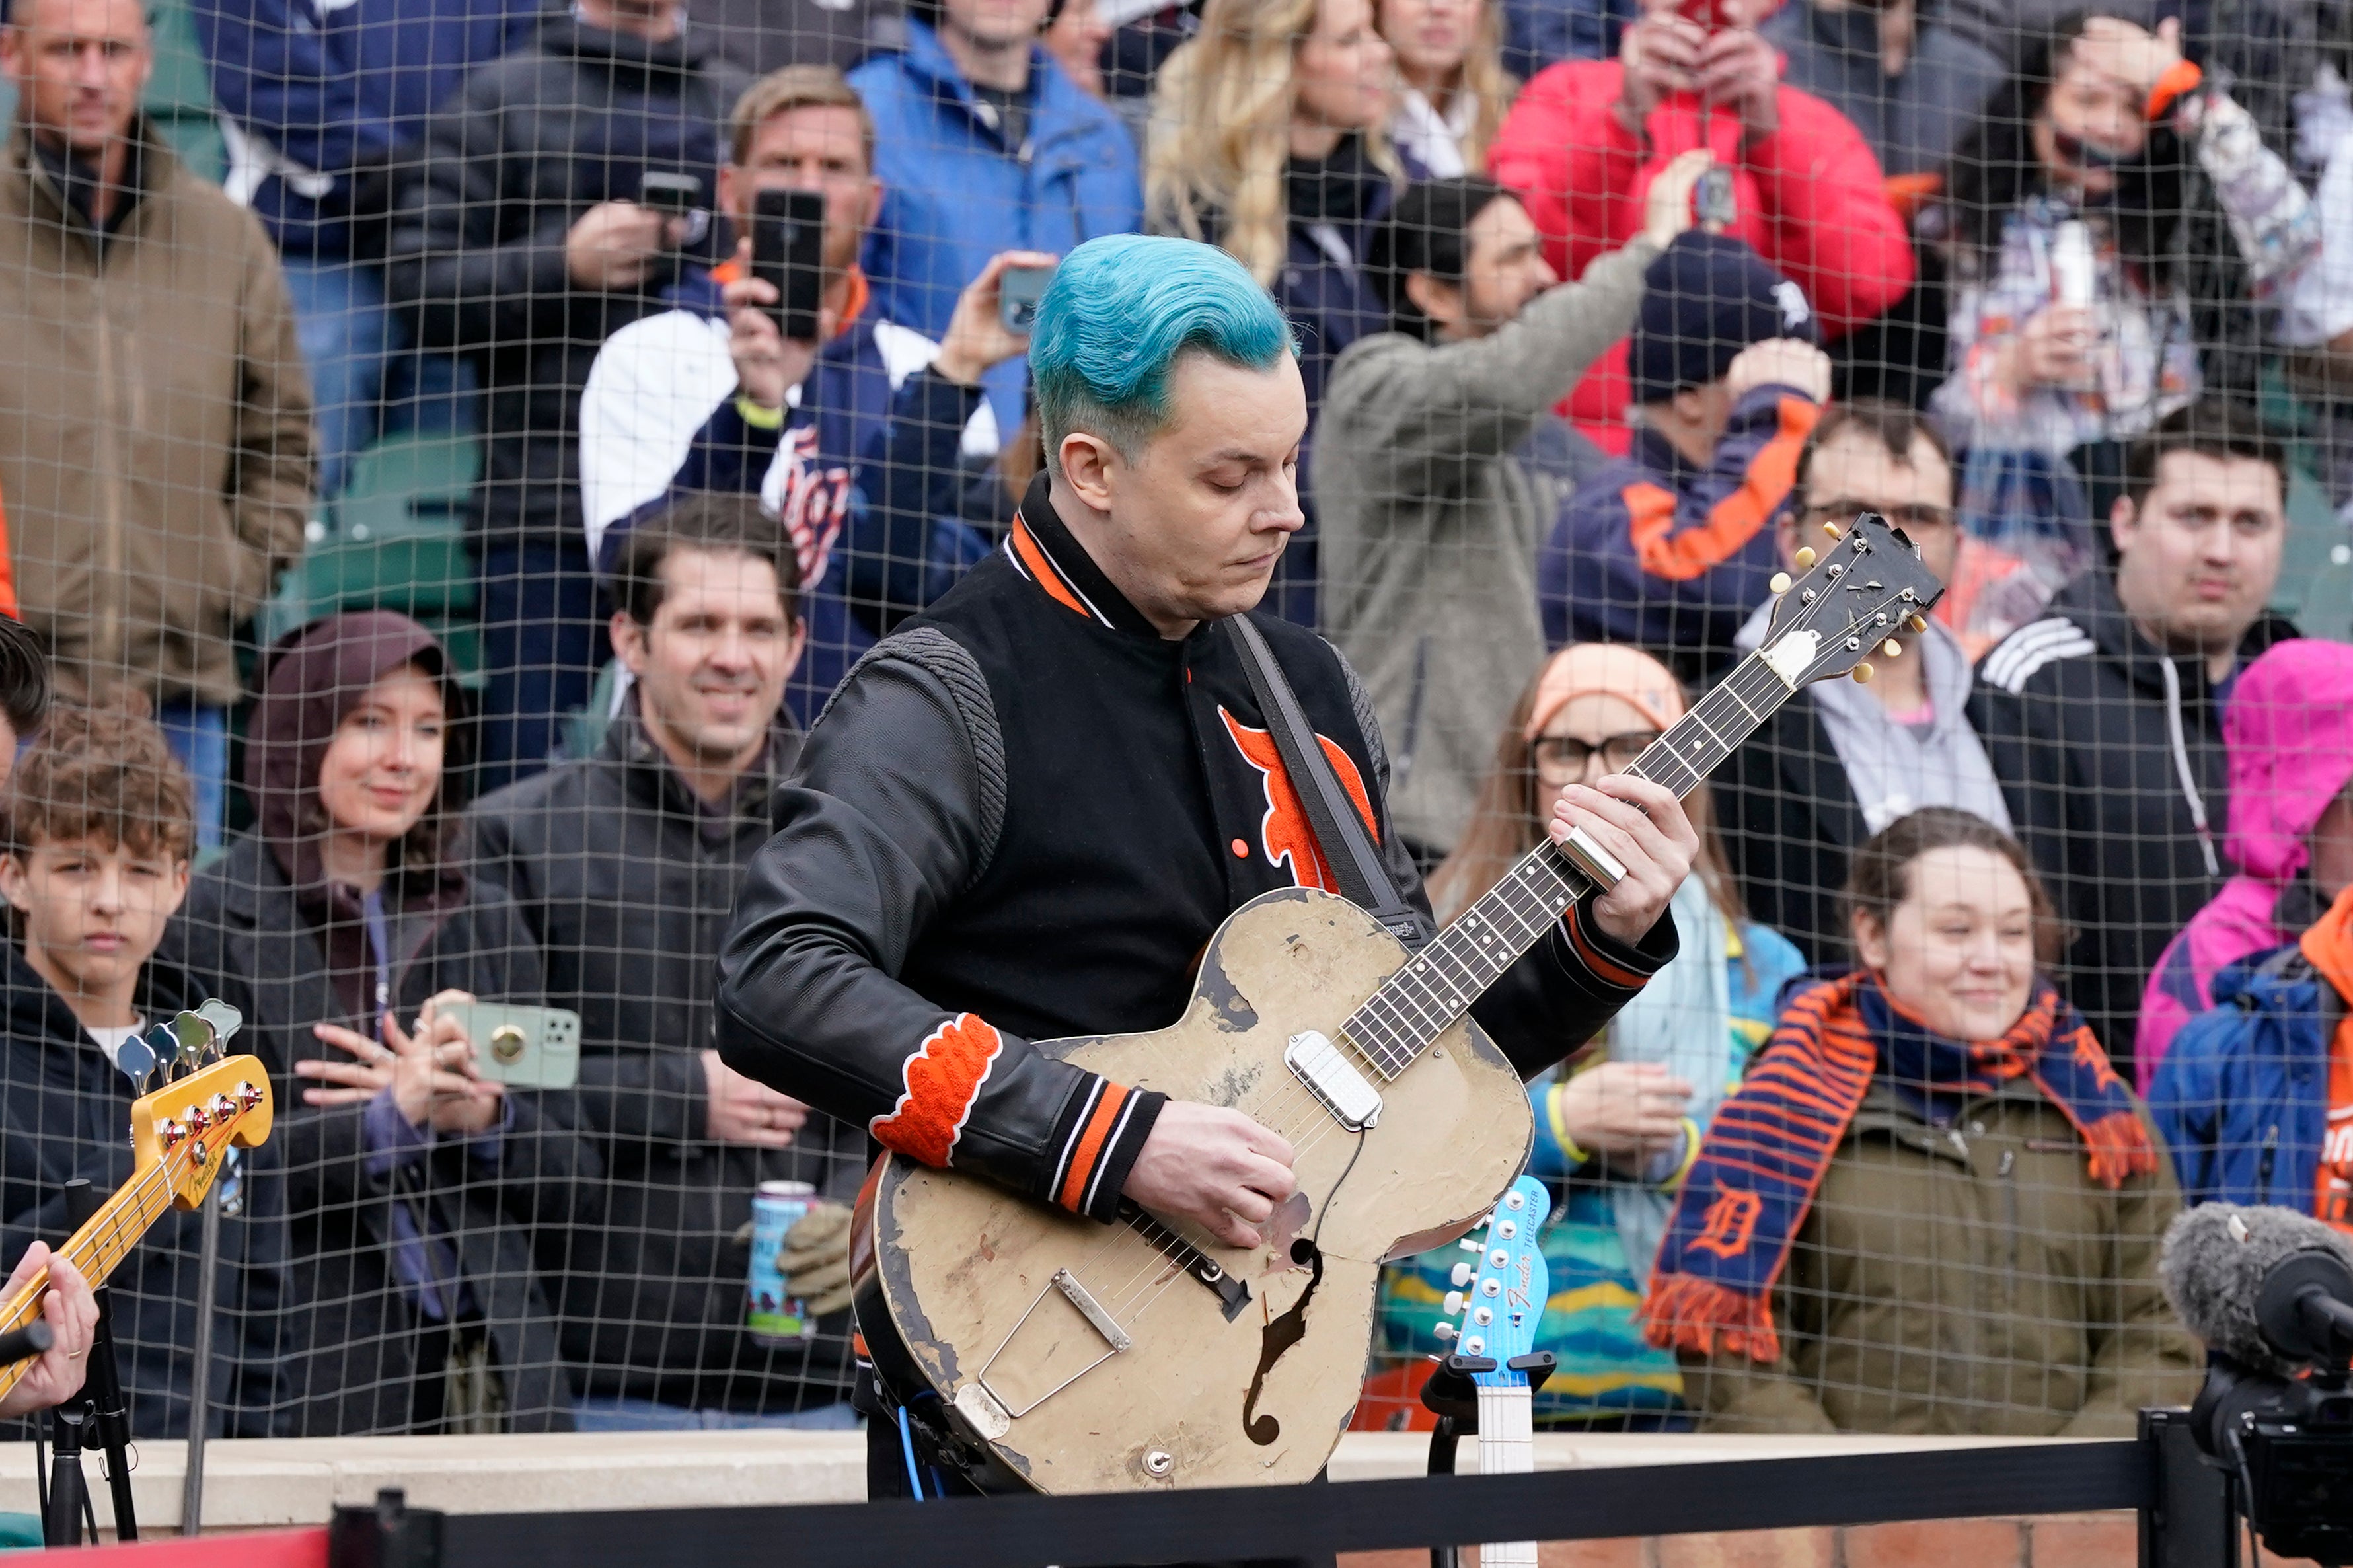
x=1119, y=313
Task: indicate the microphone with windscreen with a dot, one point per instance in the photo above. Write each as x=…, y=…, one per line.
x=2267, y=1287
x=2271, y=1292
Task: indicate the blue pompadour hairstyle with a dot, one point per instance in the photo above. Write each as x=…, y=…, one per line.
x=1119, y=313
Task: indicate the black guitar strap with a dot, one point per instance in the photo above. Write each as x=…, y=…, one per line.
x=1347, y=846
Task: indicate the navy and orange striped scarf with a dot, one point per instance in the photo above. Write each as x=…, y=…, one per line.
x=1764, y=1155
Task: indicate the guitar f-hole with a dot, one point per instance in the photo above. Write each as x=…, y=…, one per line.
x=1279, y=1335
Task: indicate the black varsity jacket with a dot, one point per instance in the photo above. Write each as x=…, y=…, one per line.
x=1022, y=817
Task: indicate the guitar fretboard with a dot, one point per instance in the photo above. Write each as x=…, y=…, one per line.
x=1436, y=986
x=96, y=1249
x=1507, y=1446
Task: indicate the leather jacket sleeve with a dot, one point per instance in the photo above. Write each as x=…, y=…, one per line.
x=895, y=812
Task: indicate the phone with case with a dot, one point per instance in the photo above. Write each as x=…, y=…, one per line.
x=522, y=1048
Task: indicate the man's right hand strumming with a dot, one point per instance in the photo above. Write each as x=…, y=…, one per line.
x=1215, y=1167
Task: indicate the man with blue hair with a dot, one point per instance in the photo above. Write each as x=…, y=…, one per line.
x=1026, y=813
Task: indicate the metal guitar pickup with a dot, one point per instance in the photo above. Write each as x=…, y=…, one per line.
x=1332, y=1079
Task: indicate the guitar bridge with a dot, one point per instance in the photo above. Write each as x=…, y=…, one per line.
x=1332, y=1079
x=1049, y=1359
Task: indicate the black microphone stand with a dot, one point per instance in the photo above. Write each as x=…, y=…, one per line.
x=102, y=1404
x=67, y=1498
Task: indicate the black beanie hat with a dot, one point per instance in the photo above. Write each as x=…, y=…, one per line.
x=1707, y=298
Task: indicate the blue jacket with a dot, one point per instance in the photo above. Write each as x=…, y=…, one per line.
x=2241, y=1097
x=863, y=471
x=953, y=193
x=321, y=98
x=1657, y=552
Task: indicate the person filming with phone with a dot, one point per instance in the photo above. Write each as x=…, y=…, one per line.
x=409, y=1176
x=775, y=374
x=530, y=234
x=1792, y=177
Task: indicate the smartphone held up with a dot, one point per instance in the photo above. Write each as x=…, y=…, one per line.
x=789, y=255
x=1018, y=289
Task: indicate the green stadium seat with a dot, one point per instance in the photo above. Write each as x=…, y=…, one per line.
x=394, y=540
x=408, y=484
x=2316, y=580
x=180, y=93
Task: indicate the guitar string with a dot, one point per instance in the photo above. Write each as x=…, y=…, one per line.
x=1299, y=1109
x=1303, y=1122
x=36, y=1289
x=1296, y=1108
x=1303, y=1141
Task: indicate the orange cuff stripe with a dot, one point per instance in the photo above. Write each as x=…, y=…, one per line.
x=2180, y=77
x=1043, y=569
x=1616, y=973
x=1735, y=519
x=1091, y=1146
x=943, y=1078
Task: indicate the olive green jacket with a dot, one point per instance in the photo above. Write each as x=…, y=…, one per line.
x=1975, y=1280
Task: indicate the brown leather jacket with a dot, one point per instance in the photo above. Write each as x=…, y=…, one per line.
x=155, y=425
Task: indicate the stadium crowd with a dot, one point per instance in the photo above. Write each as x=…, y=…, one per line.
x=1606, y=310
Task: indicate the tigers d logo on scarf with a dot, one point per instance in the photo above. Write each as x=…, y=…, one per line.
x=1284, y=835
x=1729, y=1224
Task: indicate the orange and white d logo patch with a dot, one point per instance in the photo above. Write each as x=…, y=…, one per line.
x=1284, y=834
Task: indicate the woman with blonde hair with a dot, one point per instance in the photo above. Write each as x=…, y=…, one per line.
x=1452, y=87
x=1617, y=1127
x=1268, y=141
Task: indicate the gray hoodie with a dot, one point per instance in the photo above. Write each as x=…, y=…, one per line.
x=1892, y=768
x=1430, y=520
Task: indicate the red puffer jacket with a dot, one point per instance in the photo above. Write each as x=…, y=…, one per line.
x=1808, y=199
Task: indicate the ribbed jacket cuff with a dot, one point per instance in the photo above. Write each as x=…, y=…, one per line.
x=1096, y=1140
x=1613, y=964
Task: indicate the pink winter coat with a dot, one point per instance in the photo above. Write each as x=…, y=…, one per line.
x=2289, y=729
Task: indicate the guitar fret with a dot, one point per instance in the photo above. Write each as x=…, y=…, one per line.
x=1423, y=998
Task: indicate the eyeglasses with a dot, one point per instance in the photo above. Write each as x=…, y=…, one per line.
x=1562, y=759
x=1912, y=519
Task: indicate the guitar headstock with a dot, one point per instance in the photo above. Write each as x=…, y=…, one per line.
x=185, y=1128
x=1866, y=585
x=1500, y=1299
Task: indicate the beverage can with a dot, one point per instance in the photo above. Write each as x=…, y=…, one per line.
x=2074, y=265
x=770, y=1316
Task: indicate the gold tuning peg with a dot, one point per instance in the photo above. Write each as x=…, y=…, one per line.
x=1805, y=556
x=1916, y=622
x=1831, y=529
x=1863, y=673
x=1893, y=649
x=1779, y=582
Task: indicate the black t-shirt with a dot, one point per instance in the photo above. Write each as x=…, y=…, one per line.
x=1011, y=111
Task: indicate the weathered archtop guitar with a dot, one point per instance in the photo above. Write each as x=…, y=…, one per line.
x=1147, y=1353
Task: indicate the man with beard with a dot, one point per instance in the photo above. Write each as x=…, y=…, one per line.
x=851, y=437
x=625, y=865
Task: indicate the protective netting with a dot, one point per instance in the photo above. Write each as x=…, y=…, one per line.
x=450, y=453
